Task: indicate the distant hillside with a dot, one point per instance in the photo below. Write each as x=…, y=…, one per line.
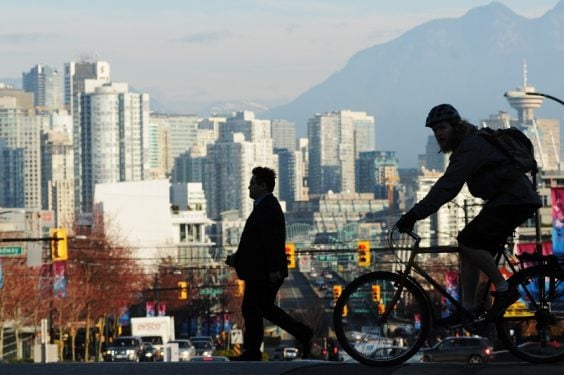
x=468, y=61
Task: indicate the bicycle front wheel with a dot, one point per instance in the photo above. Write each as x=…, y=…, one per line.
x=382, y=319
x=533, y=327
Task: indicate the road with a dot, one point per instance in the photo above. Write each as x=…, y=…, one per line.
x=268, y=368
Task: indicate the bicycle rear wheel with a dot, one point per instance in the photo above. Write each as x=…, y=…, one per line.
x=382, y=319
x=533, y=327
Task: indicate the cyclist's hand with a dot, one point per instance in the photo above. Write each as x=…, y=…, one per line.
x=406, y=222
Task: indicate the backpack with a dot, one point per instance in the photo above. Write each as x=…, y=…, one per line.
x=517, y=146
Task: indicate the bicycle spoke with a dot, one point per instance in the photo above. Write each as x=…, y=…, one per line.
x=533, y=327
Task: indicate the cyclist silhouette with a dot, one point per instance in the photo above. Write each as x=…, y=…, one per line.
x=479, y=164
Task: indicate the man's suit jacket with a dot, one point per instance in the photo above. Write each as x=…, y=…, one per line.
x=261, y=248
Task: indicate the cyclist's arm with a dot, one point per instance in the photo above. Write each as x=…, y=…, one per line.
x=464, y=162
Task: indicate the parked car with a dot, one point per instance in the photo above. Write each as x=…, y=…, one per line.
x=285, y=353
x=125, y=348
x=469, y=349
x=203, y=347
x=185, y=349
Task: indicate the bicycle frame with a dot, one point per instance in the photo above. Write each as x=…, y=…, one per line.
x=412, y=265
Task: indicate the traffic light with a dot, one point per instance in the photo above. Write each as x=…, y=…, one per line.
x=291, y=255
x=183, y=290
x=59, y=249
x=337, y=289
x=375, y=293
x=240, y=288
x=363, y=251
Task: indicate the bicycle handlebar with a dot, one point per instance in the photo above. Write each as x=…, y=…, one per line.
x=411, y=234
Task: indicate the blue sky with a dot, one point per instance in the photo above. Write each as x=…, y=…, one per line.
x=191, y=53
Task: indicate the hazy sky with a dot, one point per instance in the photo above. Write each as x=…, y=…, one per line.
x=190, y=53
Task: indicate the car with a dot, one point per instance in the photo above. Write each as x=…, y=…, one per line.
x=125, y=348
x=469, y=349
x=209, y=358
x=324, y=348
x=203, y=347
x=185, y=349
x=285, y=353
x=150, y=353
x=392, y=351
x=202, y=338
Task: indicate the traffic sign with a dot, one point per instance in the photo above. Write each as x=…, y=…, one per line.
x=11, y=250
x=211, y=291
x=236, y=336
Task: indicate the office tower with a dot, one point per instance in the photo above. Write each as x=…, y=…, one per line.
x=78, y=73
x=81, y=78
x=45, y=83
x=11, y=175
x=190, y=166
x=286, y=173
x=434, y=158
x=377, y=173
x=113, y=138
x=20, y=129
x=364, y=131
x=301, y=170
x=244, y=142
x=57, y=176
x=331, y=153
x=183, y=131
x=283, y=135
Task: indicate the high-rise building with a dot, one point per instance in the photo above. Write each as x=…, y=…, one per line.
x=45, y=83
x=283, y=135
x=57, y=176
x=78, y=73
x=81, y=78
x=113, y=139
x=183, y=131
x=434, y=158
x=331, y=153
x=11, y=174
x=20, y=129
x=190, y=166
x=364, y=132
x=377, y=173
x=301, y=170
x=244, y=142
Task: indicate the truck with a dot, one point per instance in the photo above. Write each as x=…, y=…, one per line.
x=158, y=330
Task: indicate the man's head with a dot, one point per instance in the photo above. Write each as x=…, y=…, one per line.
x=447, y=125
x=262, y=182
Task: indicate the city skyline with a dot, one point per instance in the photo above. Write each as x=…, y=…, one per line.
x=191, y=56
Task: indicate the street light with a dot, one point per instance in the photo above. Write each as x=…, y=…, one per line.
x=520, y=94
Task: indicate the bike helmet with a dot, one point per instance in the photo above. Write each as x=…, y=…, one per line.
x=442, y=112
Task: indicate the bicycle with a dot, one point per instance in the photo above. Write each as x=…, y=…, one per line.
x=383, y=318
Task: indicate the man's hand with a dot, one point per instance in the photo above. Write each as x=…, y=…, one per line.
x=406, y=222
x=230, y=260
x=274, y=277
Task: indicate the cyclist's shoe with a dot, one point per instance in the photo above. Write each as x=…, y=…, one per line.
x=502, y=300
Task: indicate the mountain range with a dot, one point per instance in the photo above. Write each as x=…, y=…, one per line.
x=470, y=62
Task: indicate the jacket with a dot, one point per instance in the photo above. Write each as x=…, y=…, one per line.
x=261, y=248
x=480, y=165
